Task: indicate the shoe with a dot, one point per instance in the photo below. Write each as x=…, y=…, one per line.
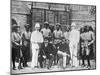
x=83, y=65
x=20, y=67
x=14, y=68
x=26, y=65
x=89, y=67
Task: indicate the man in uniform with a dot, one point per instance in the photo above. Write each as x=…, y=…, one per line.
x=46, y=31
x=57, y=39
x=36, y=40
x=48, y=50
x=58, y=32
x=26, y=44
x=16, y=46
x=66, y=37
x=88, y=41
x=74, y=41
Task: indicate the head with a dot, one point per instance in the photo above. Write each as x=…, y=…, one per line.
x=46, y=24
x=73, y=25
x=27, y=27
x=16, y=28
x=37, y=26
x=85, y=28
x=90, y=28
x=67, y=28
x=82, y=30
x=58, y=26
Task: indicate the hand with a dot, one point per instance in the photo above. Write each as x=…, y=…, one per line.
x=50, y=54
x=44, y=56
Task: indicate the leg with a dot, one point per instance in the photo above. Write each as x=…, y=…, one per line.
x=41, y=61
x=88, y=60
x=71, y=54
x=83, y=61
x=13, y=57
x=64, y=61
x=51, y=61
x=33, y=57
x=26, y=56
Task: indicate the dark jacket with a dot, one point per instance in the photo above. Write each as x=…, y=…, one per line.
x=49, y=49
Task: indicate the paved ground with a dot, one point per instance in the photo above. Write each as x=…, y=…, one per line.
x=53, y=68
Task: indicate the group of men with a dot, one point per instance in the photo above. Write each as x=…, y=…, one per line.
x=46, y=45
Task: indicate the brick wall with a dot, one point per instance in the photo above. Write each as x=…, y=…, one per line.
x=79, y=13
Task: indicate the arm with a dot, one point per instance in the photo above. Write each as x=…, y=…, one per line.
x=13, y=39
x=93, y=38
x=32, y=39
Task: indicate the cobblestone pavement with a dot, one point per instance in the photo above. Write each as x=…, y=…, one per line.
x=53, y=68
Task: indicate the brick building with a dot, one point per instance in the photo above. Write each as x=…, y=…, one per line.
x=31, y=12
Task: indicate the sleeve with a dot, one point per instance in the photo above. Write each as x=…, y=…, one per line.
x=41, y=38
x=49, y=31
x=32, y=37
x=42, y=31
x=93, y=36
x=64, y=35
x=78, y=36
x=12, y=37
x=61, y=34
x=54, y=33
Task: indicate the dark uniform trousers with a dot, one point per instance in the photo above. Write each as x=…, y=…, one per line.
x=49, y=52
x=26, y=53
x=87, y=56
x=16, y=54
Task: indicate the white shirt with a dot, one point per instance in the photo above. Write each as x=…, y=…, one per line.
x=74, y=36
x=46, y=32
x=36, y=37
x=66, y=35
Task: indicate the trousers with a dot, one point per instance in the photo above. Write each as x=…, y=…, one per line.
x=73, y=53
x=35, y=51
x=64, y=57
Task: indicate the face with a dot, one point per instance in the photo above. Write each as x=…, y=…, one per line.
x=87, y=28
x=17, y=29
x=46, y=26
x=73, y=27
x=57, y=27
x=37, y=28
x=27, y=28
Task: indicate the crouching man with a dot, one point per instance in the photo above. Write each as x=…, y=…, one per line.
x=63, y=52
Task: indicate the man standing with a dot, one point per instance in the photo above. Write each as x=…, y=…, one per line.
x=74, y=40
x=26, y=45
x=88, y=41
x=16, y=46
x=57, y=39
x=46, y=31
x=66, y=36
x=57, y=32
x=36, y=40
